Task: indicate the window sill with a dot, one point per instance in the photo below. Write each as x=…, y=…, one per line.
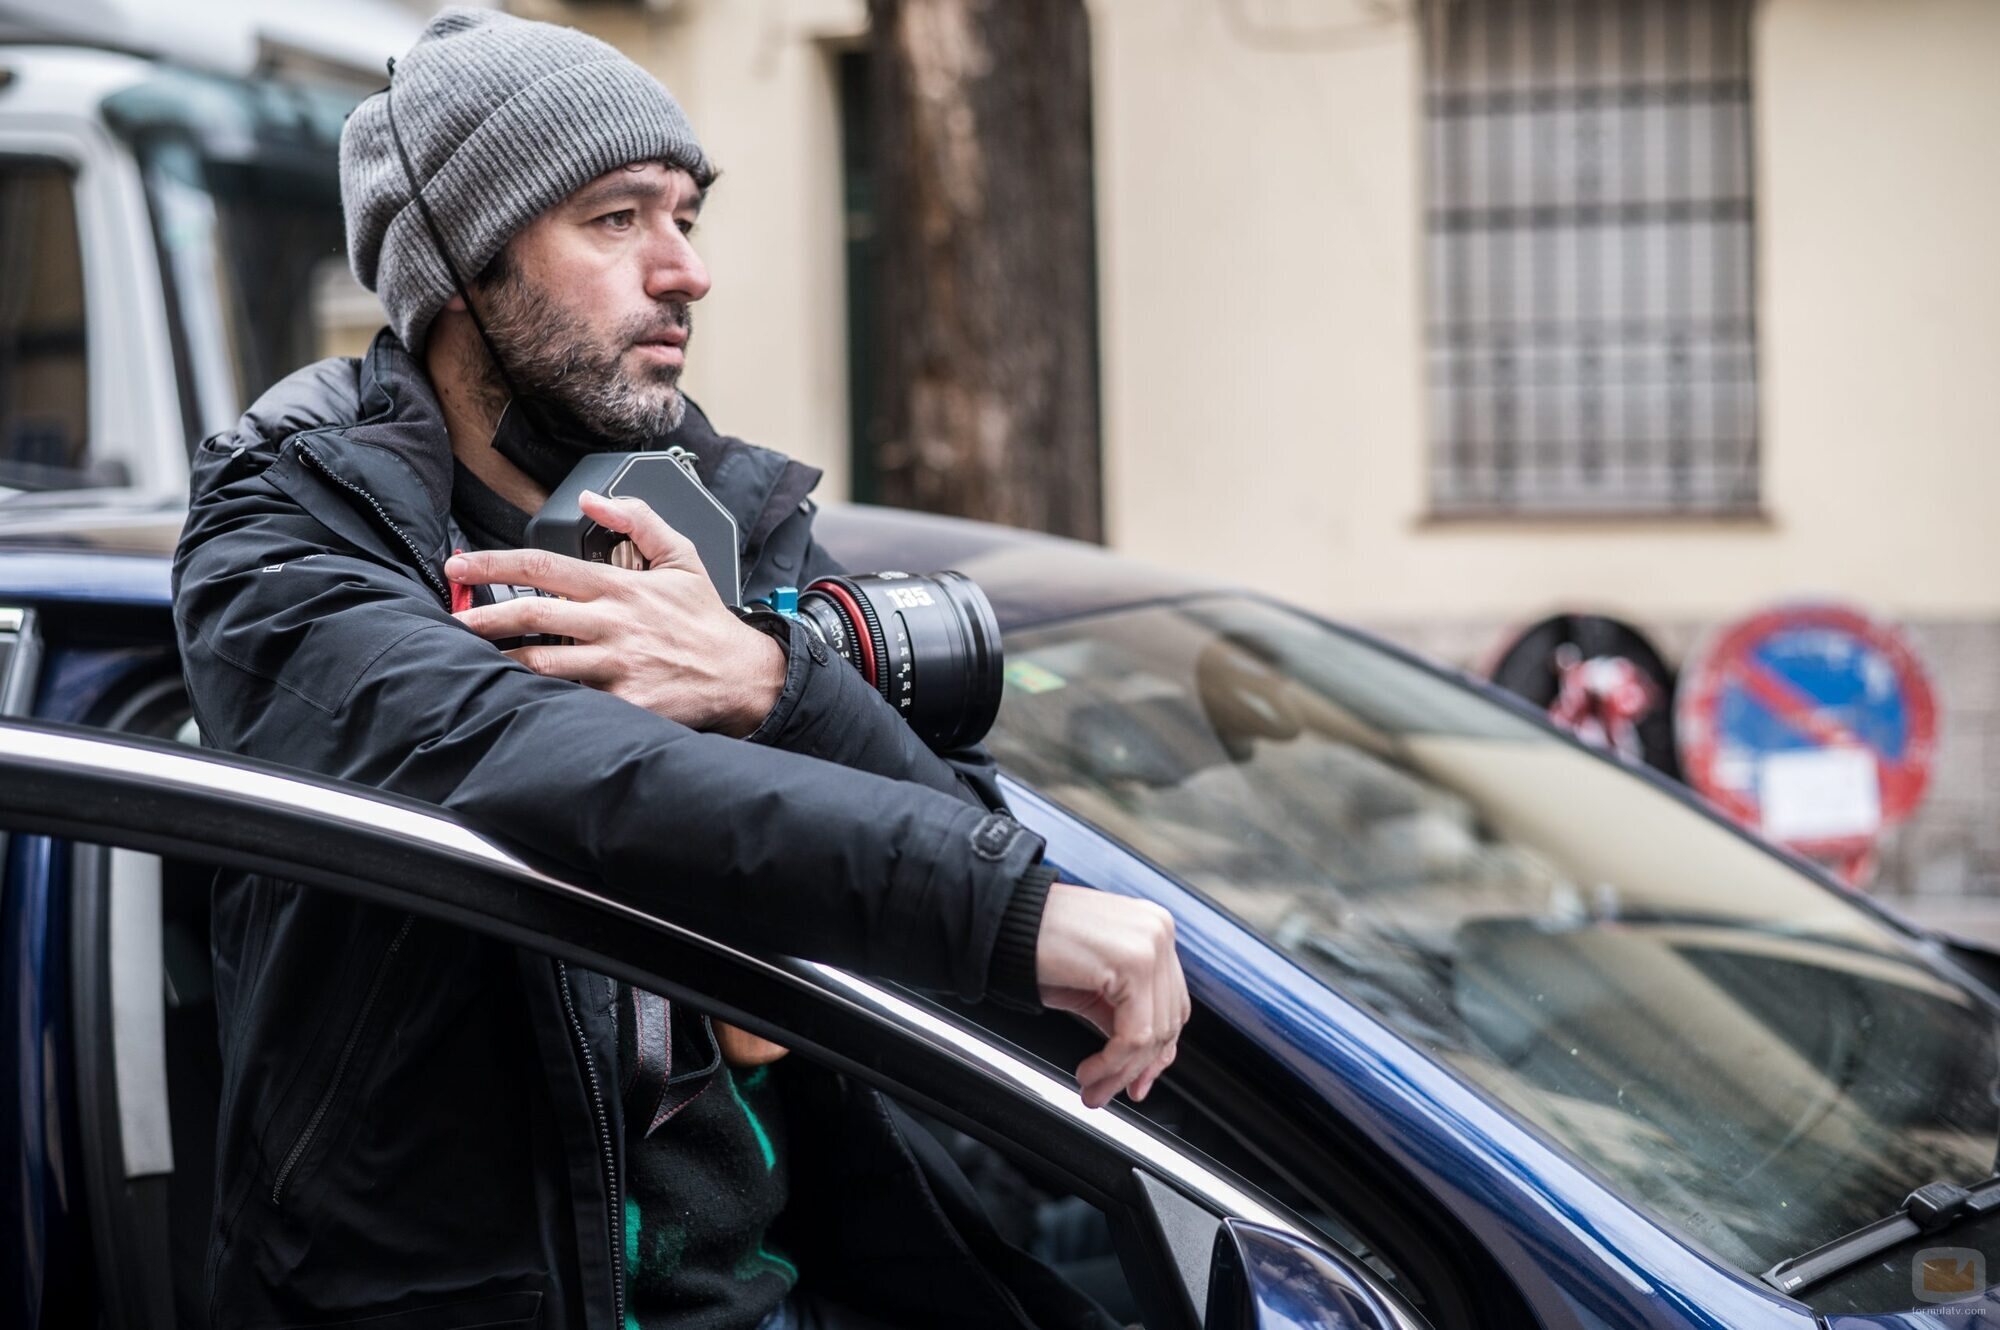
x=1744, y=521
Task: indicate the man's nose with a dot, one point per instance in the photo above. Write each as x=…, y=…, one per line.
x=675, y=271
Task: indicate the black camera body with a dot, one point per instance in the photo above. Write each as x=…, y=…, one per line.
x=928, y=644
x=667, y=484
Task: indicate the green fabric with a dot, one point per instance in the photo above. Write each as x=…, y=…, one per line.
x=702, y=1192
x=752, y=1082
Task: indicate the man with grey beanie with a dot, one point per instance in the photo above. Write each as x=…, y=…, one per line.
x=420, y=1126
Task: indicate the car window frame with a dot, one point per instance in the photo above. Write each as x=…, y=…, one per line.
x=94, y=787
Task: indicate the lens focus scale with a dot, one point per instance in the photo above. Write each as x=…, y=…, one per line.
x=900, y=679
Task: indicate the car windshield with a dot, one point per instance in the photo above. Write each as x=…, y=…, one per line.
x=1754, y=1059
x=242, y=181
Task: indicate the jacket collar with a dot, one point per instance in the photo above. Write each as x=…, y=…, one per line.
x=395, y=434
x=396, y=394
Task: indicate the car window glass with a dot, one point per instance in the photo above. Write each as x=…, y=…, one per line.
x=1761, y=1063
x=44, y=372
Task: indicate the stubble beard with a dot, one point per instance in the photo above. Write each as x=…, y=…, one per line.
x=551, y=352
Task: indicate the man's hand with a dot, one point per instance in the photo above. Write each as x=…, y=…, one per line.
x=1111, y=959
x=659, y=637
x=740, y=1048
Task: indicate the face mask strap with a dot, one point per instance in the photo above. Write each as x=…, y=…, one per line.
x=437, y=237
x=530, y=431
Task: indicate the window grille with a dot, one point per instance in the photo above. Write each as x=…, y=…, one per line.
x=1591, y=323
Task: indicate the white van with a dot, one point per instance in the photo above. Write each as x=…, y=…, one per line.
x=170, y=245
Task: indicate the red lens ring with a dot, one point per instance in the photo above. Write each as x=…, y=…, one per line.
x=847, y=602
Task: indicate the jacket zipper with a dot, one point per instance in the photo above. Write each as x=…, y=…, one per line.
x=436, y=584
x=603, y=1121
x=423, y=563
x=298, y=1149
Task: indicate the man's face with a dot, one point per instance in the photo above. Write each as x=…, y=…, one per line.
x=590, y=305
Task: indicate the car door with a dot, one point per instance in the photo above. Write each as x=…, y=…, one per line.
x=1196, y=1244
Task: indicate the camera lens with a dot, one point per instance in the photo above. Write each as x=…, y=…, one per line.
x=929, y=644
x=499, y=593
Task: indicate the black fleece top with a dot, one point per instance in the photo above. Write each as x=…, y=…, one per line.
x=704, y=1160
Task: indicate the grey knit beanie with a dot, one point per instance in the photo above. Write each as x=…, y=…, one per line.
x=502, y=118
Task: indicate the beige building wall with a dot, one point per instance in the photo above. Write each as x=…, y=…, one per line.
x=1261, y=192
x=1261, y=242
x=1263, y=260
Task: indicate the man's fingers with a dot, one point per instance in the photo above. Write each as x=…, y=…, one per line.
x=536, y=568
x=1085, y=1003
x=1104, y=1073
x=1139, y=1082
x=1174, y=1005
x=1144, y=1085
x=1112, y=960
x=534, y=616
x=1166, y=1002
x=1101, y=1079
x=1133, y=1047
x=1149, y=1027
x=659, y=543
x=591, y=665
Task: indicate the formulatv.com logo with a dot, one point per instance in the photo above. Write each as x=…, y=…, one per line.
x=1947, y=1274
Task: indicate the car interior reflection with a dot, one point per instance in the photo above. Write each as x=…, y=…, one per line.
x=1754, y=1060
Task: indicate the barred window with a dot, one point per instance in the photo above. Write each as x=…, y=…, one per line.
x=1591, y=324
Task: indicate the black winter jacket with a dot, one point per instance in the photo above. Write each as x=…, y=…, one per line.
x=420, y=1125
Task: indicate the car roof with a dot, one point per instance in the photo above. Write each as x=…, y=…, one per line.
x=69, y=79
x=1029, y=577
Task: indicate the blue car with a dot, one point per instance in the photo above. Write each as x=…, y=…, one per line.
x=1490, y=1030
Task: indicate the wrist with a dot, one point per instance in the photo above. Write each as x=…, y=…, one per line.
x=763, y=681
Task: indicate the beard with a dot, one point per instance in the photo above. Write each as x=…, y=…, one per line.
x=552, y=353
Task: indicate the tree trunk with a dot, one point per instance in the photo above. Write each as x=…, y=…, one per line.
x=987, y=400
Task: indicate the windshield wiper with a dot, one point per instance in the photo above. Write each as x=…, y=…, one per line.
x=1927, y=1211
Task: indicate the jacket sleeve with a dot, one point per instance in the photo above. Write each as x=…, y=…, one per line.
x=303, y=647
x=827, y=710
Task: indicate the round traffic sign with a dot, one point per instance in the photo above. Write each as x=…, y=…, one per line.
x=1813, y=724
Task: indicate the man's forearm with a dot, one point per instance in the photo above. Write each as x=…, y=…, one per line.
x=827, y=710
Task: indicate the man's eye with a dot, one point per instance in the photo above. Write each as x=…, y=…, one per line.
x=617, y=221
x=686, y=226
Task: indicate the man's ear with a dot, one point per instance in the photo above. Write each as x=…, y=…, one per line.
x=456, y=304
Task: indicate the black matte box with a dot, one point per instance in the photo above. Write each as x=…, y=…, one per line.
x=667, y=488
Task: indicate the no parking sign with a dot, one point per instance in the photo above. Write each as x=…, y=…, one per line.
x=1812, y=724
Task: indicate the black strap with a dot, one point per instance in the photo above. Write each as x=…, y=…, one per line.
x=437, y=236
